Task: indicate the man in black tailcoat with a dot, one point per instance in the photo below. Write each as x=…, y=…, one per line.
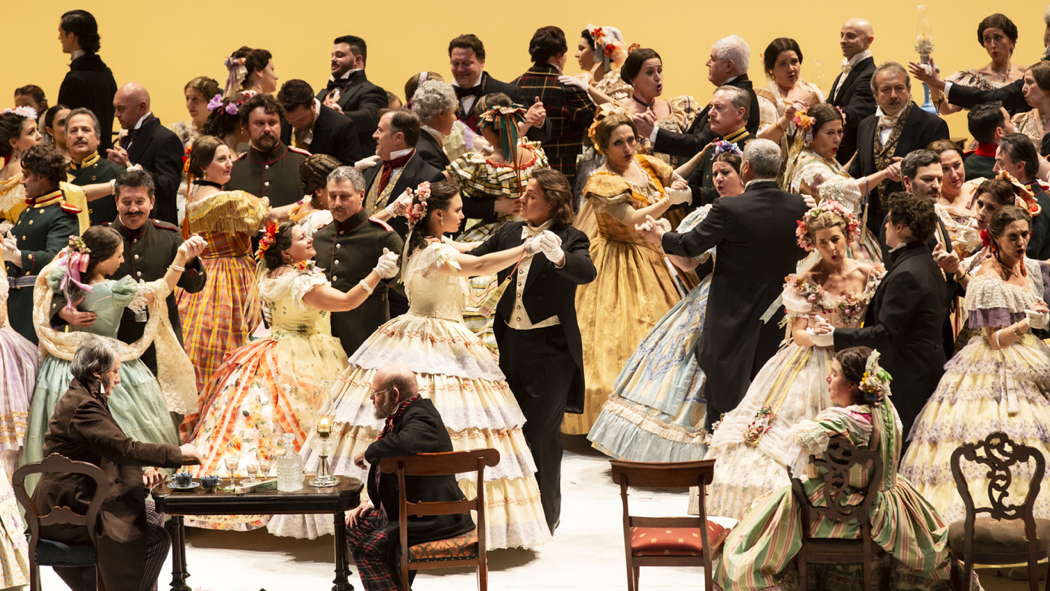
x=541, y=352
x=89, y=82
x=755, y=236
x=316, y=128
x=349, y=91
x=851, y=92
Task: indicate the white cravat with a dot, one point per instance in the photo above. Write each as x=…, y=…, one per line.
x=519, y=318
x=885, y=124
x=847, y=67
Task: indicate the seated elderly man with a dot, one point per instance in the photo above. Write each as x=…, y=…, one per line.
x=132, y=544
x=412, y=426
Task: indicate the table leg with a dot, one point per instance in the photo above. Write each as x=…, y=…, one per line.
x=178, y=555
x=342, y=561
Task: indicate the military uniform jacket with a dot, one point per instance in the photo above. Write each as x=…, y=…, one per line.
x=147, y=253
x=347, y=251
x=91, y=170
x=42, y=230
x=274, y=175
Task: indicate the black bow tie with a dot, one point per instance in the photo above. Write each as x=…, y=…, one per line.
x=462, y=92
x=339, y=83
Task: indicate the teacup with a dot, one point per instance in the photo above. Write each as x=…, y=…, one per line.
x=182, y=479
x=209, y=482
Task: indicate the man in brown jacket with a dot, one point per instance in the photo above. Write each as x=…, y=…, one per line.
x=132, y=542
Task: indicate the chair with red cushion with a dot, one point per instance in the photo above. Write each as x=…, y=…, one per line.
x=667, y=541
x=464, y=550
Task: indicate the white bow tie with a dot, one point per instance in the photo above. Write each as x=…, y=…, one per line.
x=528, y=231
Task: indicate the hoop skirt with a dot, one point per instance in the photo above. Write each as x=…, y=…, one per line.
x=462, y=377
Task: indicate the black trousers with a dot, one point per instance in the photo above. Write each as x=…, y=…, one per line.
x=540, y=371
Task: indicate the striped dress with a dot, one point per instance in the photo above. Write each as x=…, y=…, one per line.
x=219, y=318
x=759, y=552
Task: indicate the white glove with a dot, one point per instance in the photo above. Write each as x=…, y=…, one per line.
x=400, y=205
x=1037, y=319
x=366, y=163
x=533, y=245
x=823, y=340
x=573, y=81
x=550, y=246
x=386, y=267
x=678, y=196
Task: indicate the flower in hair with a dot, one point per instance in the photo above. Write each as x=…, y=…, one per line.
x=609, y=49
x=267, y=240
x=723, y=146
x=215, y=102
x=77, y=244
x=418, y=209
x=986, y=238
x=1022, y=192
x=875, y=383
x=231, y=108
x=27, y=112
x=803, y=120
x=186, y=160
x=828, y=208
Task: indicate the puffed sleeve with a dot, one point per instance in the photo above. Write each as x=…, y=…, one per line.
x=304, y=282
x=798, y=300
x=125, y=289
x=991, y=304
x=437, y=255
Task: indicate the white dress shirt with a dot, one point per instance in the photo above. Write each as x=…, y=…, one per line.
x=519, y=318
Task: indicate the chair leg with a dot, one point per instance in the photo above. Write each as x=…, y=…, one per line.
x=967, y=574
x=1033, y=575
x=803, y=573
x=483, y=573
x=637, y=573
x=632, y=583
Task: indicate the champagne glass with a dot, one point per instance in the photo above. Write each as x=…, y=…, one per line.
x=231, y=460
x=252, y=468
x=265, y=465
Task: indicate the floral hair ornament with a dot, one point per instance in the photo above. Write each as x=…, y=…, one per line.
x=215, y=102
x=27, y=112
x=724, y=147
x=875, y=383
x=186, y=160
x=504, y=121
x=804, y=122
x=78, y=255
x=834, y=214
x=267, y=240
x=604, y=42
x=418, y=209
x=1022, y=192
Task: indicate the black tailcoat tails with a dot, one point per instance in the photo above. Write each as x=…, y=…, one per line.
x=544, y=366
x=904, y=322
x=755, y=236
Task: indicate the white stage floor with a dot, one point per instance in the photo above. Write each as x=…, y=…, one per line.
x=586, y=552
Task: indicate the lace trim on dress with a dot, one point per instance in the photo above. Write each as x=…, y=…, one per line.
x=436, y=254
x=227, y=211
x=298, y=282
x=987, y=292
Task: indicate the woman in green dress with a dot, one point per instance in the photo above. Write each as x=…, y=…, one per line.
x=759, y=552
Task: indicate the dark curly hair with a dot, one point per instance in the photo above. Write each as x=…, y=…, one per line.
x=547, y=42
x=314, y=172
x=282, y=241
x=220, y=123
x=917, y=214
x=998, y=21
x=441, y=194
x=10, y=129
x=45, y=161
x=557, y=192
x=267, y=102
x=854, y=360
x=1001, y=190
x=632, y=66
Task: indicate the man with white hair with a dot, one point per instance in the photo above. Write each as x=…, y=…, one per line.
x=755, y=236
x=726, y=66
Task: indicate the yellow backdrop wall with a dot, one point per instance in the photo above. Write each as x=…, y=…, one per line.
x=164, y=44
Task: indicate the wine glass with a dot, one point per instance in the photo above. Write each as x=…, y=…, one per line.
x=252, y=468
x=231, y=461
x=265, y=465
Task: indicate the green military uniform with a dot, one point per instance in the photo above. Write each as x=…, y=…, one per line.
x=347, y=251
x=274, y=175
x=42, y=230
x=91, y=170
x=147, y=253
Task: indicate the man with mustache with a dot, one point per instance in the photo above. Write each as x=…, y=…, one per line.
x=149, y=248
x=896, y=128
x=349, y=91
x=86, y=167
x=270, y=168
x=150, y=145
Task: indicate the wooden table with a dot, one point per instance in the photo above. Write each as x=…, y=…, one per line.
x=335, y=500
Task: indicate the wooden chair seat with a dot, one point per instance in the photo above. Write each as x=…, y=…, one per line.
x=461, y=547
x=675, y=541
x=997, y=541
x=55, y=553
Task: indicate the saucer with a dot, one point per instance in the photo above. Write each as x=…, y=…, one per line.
x=192, y=485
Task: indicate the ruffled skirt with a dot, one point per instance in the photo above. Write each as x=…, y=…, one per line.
x=18, y=365
x=263, y=390
x=751, y=443
x=634, y=287
x=982, y=391
x=14, y=552
x=656, y=411
x=459, y=374
x=137, y=405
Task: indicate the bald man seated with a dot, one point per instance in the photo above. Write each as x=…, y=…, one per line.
x=851, y=92
x=412, y=426
x=144, y=141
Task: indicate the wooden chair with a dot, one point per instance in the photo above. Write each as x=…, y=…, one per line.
x=43, y=551
x=464, y=550
x=841, y=505
x=667, y=541
x=1011, y=533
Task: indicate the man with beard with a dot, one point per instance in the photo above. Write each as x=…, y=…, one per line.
x=412, y=426
x=349, y=91
x=269, y=168
x=897, y=127
x=86, y=167
x=343, y=248
x=150, y=145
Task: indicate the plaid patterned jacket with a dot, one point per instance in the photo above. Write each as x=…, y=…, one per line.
x=569, y=114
